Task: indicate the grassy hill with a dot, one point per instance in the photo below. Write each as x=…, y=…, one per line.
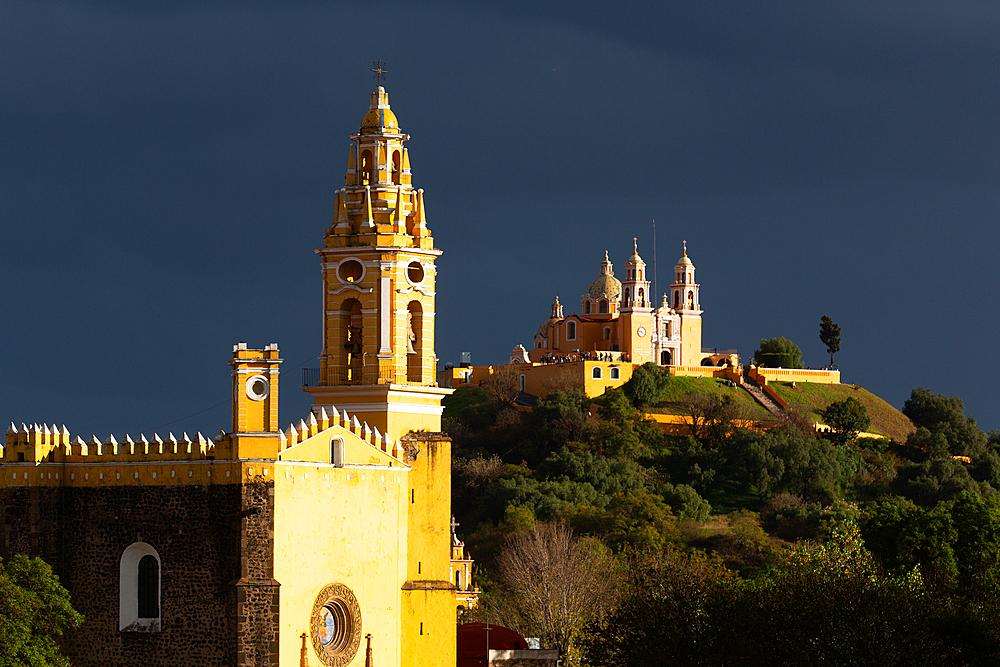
x=810, y=397
x=807, y=398
x=680, y=387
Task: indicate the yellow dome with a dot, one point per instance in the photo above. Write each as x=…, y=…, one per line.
x=605, y=286
x=377, y=119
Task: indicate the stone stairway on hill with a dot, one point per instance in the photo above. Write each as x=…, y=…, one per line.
x=761, y=396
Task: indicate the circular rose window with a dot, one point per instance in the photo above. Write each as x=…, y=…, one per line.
x=336, y=625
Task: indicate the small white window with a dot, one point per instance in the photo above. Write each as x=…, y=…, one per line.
x=616, y=373
x=139, y=589
x=597, y=373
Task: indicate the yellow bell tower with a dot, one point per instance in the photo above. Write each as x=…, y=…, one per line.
x=636, y=313
x=687, y=304
x=378, y=256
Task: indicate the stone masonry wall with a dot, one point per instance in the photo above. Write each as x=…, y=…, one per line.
x=82, y=532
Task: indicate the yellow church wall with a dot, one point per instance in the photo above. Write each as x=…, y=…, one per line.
x=691, y=337
x=431, y=639
x=429, y=623
x=341, y=525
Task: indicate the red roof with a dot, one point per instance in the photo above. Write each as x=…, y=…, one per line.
x=472, y=639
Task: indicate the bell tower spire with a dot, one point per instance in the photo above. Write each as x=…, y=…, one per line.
x=377, y=259
x=636, y=313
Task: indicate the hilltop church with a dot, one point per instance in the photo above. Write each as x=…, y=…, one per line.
x=312, y=545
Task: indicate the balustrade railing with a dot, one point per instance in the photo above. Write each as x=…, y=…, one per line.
x=367, y=374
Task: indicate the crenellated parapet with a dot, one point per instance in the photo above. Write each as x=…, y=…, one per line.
x=310, y=438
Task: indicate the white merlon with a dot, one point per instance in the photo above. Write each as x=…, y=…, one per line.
x=184, y=438
x=345, y=419
x=171, y=439
x=33, y=428
x=312, y=420
x=45, y=430
x=201, y=440
x=12, y=428
x=282, y=436
x=128, y=440
x=303, y=428
x=111, y=440
x=65, y=431
x=157, y=439
x=24, y=428
x=78, y=442
x=355, y=424
x=220, y=436
x=366, y=432
x=94, y=441
x=291, y=432
x=323, y=416
x=142, y=439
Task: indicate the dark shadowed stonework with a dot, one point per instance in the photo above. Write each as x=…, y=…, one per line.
x=219, y=601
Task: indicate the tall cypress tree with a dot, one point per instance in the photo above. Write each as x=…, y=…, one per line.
x=829, y=333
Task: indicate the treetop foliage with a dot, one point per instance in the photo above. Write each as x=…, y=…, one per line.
x=829, y=335
x=34, y=608
x=778, y=353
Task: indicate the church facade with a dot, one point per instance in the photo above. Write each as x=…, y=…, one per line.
x=263, y=546
x=620, y=321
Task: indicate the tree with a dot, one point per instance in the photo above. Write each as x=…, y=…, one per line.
x=945, y=419
x=503, y=384
x=829, y=334
x=34, y=608
x=647, y=385
x=778, y=353
x=847, y=418
x=550, y=584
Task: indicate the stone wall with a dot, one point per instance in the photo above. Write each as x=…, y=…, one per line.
x=198, y=532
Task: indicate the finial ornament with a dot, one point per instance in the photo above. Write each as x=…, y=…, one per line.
x=379, y=71
x=685, y=248
x=606, y=256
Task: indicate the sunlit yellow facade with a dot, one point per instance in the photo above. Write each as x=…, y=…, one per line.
x=330, y=533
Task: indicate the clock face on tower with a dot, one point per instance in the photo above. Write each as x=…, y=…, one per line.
x=641, y=331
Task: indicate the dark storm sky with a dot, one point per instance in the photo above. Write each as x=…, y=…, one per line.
x=166, y=172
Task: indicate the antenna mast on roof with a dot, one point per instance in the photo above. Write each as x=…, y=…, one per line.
x=656, y=293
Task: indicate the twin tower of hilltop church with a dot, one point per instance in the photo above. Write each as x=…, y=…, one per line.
x=270, y=547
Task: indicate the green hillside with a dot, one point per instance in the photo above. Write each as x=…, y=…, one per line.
x=680, y=387
x=810, y=397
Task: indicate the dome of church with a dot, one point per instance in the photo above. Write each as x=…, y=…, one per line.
x=376, y=119
x=605, y=285
x=543, y=330
x=684, y=260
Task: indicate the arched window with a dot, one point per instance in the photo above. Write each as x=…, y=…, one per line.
x=139, y=589
x=665, y=358
x=616, y=373
x=626, y=301
x=586, y=307
x=603, y=306
x=337, y=452
x=571, y=330
x=367, y=167
x=522, y=382
x=414, y=342
x=458, y=580
x=706, y=362
x=690, y=300
x=396, y=172
x=607, y=333
x=596, y=373
x=642, y=298
x=677, y=299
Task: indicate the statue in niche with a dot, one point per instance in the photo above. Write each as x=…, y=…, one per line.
x=411, y=337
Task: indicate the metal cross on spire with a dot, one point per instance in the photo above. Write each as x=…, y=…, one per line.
x=379, y=71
